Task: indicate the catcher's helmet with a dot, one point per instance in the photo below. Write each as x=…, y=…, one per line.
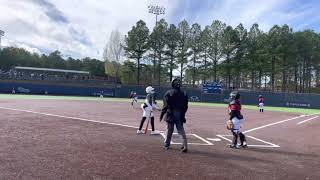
x=260, y=96
x=150, y=90
x=234, y=95
x=176, y=83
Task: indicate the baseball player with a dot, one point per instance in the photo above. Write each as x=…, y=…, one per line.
x=236, y=118
x=261, y=103
x=147, y=108
x=134, y=97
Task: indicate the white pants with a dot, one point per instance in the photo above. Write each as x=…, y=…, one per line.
x=236, y=124
x=147, y=111
x=261, y=105
x=135, y=99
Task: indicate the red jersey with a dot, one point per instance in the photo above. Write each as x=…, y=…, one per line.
x=261, y=100
x=235, y=106
x=235, y=109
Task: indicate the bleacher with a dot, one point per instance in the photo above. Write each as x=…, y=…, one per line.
x=54, y=76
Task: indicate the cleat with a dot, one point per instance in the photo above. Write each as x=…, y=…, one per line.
x=166, y=148
x=140, y=132
x=244, y=145
x=234, y=146
x=155, y=132
x=184, y=150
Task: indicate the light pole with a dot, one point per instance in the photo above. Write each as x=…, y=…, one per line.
x=1, y=34
x=157, y=10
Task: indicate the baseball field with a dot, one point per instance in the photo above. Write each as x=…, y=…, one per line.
x=59, y=137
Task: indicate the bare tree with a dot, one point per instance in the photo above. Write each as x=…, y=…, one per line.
x=113, y=53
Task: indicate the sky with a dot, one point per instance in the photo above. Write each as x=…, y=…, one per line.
x=81, y=28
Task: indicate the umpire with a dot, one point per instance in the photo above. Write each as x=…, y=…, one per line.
x=175, y=106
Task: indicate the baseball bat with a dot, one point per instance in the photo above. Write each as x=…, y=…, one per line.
x=145, y=131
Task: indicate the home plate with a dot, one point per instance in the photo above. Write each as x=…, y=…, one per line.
x=192, y=139
x=214, y=139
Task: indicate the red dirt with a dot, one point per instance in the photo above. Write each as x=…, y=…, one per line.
x=35, y=146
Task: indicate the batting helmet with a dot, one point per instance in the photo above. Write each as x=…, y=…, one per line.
x=150, y=90
x=234, y=95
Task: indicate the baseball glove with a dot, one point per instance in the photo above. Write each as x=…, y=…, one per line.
x=229, y=125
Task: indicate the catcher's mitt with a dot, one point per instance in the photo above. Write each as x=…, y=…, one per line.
x=229, y=125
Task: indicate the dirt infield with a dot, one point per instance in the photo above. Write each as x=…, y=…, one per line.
x=55, y=139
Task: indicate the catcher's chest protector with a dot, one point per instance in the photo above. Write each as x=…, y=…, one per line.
x=234, y=106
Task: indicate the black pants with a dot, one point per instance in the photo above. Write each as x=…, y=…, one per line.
x=177, y=121
x=142, y=122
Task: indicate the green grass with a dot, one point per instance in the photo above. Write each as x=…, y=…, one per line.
x=49, y=97
x=267, y=108
x=81, y=98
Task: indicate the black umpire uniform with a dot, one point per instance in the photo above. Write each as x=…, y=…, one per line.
x=175, y=106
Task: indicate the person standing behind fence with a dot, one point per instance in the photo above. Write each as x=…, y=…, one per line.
x=175, y=106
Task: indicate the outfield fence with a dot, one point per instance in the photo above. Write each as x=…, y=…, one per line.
x=123, y=91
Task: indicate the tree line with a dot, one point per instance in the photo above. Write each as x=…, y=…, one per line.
x=277, y=60
x=13, y=56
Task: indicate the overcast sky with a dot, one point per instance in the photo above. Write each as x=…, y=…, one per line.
x=80, y=28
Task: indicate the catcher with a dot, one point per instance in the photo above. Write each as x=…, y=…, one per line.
x=147, y=108
x=235, y=120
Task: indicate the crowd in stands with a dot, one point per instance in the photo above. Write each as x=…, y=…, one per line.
x=51, y=76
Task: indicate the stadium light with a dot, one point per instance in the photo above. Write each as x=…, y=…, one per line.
x=1, y=34
x=157, y=10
